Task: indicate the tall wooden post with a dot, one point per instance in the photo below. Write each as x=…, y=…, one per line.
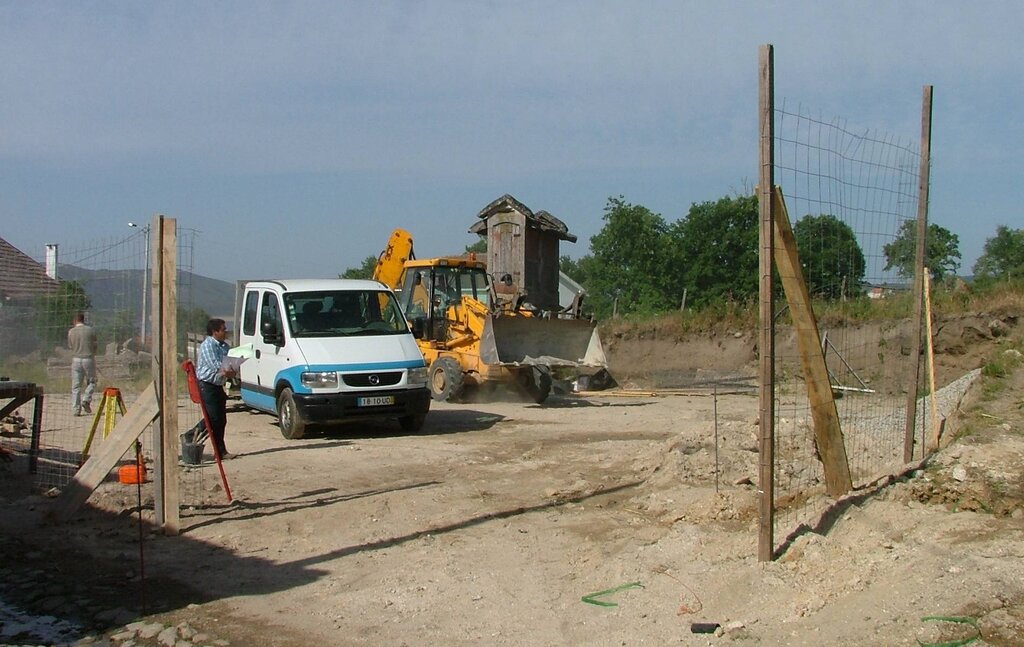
x=914, y=371
x=165, y=366
x=766, y=311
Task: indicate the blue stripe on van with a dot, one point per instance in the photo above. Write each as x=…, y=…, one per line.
x=259, y=401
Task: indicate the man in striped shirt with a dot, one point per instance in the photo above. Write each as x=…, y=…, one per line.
x=211, y=375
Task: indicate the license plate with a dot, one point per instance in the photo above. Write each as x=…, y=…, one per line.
x=375, y=401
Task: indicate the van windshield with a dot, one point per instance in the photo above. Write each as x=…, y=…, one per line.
x=340, y=313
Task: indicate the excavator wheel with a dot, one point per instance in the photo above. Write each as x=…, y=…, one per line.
x=446, y=379
x=537, y=384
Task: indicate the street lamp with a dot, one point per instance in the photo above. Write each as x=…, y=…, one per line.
x=145, y=284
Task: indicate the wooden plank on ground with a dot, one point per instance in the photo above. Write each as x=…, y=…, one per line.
x=142, y=412
x=827, y=432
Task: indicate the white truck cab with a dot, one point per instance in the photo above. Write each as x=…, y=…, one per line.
x=325, y=351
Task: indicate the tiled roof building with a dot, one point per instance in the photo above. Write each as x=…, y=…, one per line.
x=21, y=278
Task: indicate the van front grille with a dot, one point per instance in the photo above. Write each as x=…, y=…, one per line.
x=387, y=378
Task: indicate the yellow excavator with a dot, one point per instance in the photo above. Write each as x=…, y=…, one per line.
x=471, y=339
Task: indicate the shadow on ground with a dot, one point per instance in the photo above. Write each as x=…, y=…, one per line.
x=102, y=570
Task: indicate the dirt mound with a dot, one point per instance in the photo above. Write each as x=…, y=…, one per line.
x=654, y=359
x=649, y=360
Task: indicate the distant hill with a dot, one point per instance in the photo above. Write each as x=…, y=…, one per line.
x=122, y=289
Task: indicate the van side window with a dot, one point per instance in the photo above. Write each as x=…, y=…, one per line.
x=270, y=309
x=249, y=315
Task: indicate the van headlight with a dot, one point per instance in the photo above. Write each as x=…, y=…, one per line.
x=417, y=376
x=320, y=379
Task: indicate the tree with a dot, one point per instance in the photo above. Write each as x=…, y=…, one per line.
x=1003, y=256
x=941, y=251
x=832, y=259
x=193, y=320
x=54, y=313
x=713, y=252
x=123, y=326
x=627, y=261
x=364, y=271
x=479, y=247
x=570, y=268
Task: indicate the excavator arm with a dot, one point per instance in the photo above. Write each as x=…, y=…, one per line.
x=391, y=262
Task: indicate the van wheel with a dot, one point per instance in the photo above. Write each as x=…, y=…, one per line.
x=288, y=418
x=412, y=422
x=446, y=379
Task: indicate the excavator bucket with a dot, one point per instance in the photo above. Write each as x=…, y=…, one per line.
x=551, y=342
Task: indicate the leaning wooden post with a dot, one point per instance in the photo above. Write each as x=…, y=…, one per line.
x=766, y=310
x=930, y=350
x=143, y=411
x=914, y=370
x=828, y=433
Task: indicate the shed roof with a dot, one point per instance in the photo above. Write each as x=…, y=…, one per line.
x=541, y=220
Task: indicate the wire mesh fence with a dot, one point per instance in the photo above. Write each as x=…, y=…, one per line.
x=851, y=195
x=109, y=281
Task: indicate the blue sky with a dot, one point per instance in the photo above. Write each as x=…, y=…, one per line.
x=296, y=136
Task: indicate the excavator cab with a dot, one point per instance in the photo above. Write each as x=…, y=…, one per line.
x=433, y=293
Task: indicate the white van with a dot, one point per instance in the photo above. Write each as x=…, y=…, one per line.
x=324, y=351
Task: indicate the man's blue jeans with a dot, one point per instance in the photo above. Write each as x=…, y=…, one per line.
x=216, y=402
x=83, y=370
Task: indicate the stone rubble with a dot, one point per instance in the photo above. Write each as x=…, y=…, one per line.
x=30, y=621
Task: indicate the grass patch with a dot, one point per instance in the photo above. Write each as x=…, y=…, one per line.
x=717, y=318
x=995, y=368
x=729, y=316
x=1000, y=365
x=26, y=372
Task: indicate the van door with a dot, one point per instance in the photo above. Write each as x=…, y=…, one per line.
x=270, y=356
x=247, y=334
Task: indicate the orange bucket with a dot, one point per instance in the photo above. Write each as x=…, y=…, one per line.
x=132, y=474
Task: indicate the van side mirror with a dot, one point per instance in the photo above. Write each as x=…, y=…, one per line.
x=271, y=335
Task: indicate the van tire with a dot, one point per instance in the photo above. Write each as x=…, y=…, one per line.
x=446, y=379
x=292, y=425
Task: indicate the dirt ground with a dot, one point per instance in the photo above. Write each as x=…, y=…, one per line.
x=493, y=524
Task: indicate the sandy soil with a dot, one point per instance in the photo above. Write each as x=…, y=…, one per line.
x=493, y=524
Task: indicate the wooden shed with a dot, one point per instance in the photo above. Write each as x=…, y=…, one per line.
x=524, y=245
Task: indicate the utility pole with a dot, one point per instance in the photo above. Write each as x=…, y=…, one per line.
x=145, y=284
